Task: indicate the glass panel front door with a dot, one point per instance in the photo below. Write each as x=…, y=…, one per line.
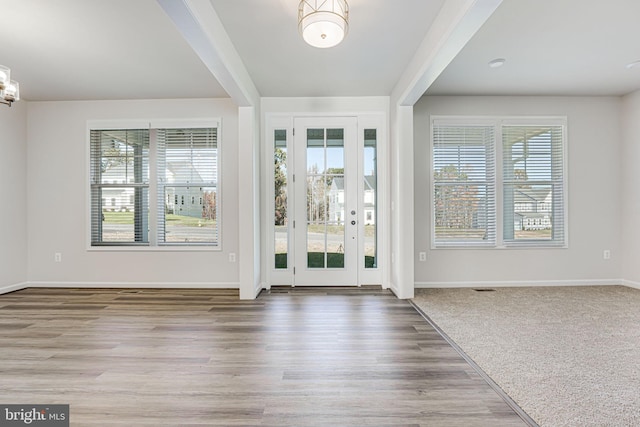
x=325, y=198
x=326, y=223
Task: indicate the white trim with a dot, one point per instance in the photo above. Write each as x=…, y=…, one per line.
x=374, y=275
x=376, y=118
x=134, y=285
x=506, y=120
x=273, y=276
x=631, y=284
x=521, y=283
x=116, y=124
x=154, y=173
x=13, y=288
x=194, y=123
x=175, y=247
x=396, y=290
x=258, y=288
x=157, y=123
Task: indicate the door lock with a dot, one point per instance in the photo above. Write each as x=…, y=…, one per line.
x=353, y=222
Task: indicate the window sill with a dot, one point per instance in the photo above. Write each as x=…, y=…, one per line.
x=501, y=248
x=167, y=248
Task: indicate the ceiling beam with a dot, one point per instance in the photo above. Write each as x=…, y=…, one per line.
x=455, y=25
x=200, y=25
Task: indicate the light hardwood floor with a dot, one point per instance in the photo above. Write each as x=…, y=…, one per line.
x=292, y=357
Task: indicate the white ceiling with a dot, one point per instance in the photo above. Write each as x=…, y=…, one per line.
x=382, y=39
x=131, y=49
x=99, y=49
x=552, y=47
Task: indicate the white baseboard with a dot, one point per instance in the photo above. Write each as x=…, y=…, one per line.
x=139, y=285
x=235, y=285
x=520, y=284
x=631, y=284
x=12, y=288
x=252, y=294
x=394, y=288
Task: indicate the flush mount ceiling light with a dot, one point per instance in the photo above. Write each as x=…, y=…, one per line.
x=323, y=23
x=9, y=89
x=497, y=63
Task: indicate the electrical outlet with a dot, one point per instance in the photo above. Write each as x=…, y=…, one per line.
x=423, y=256
x=606, y=254
x=57, y=257
x=232, y=257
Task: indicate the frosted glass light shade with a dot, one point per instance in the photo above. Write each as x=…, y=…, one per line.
x=5, y=75
x=323, y=23
x=12, y=91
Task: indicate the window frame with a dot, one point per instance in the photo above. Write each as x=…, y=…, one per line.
x=498, y=122
x=489, y=183
x=152, y=125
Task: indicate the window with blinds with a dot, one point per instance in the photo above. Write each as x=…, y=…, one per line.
x=155, y=186
x=187, y=186
x=533, y=185
x=119, y=187
x=527, y=183
x=464, y=185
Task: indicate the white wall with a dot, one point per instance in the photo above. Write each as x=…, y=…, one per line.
x=13, y=194
x=595, y=140
x=631, y=188
x=58, y=196
x=325, y=106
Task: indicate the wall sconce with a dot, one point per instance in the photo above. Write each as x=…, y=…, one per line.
x=9, y=89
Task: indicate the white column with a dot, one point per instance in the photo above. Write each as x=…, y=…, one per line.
x=248, y=203
x=402, y=216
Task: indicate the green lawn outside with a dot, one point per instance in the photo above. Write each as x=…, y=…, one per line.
x=478, y=234
x=188, y=221
x=369, y=230
x=117, y=217
x=316, y=260
x=171, y=220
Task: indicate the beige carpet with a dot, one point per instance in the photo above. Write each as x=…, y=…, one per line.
x=569, y=356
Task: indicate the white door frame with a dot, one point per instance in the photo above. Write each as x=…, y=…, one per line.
x=285, y=122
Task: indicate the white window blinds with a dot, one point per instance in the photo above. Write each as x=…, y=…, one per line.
x=533, y=185
x=499, y=182
x=187, y=186
x=119, y=186
x=156, y=186
x=464, y=185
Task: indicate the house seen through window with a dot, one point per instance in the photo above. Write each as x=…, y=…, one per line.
x=479, y=165
x=144, y=207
